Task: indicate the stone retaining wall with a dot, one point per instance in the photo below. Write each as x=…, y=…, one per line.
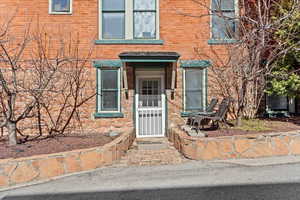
x=44, y=167
x=230, y=147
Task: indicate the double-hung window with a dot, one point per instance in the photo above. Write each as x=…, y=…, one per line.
x=128, y=19
x=223, y=20
x=194, y=89
x=60, y=6
x=108, y=90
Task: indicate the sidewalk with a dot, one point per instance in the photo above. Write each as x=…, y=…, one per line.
x=280, y=160
x=190, y=174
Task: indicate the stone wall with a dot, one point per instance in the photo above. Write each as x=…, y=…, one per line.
x=239, y=146
x=44, y=167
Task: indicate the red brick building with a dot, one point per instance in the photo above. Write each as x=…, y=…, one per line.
x=146, y=69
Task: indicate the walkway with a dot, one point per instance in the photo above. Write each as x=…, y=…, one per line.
x=151, y=151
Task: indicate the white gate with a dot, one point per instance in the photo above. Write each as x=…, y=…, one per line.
x=150, y=107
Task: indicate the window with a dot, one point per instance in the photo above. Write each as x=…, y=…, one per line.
x=144, y=19
x=108, y=90
x=113, y=15
x=275, y=102
x=223, y=22
x=60, y=6
x=128, y=19
x=194, y=89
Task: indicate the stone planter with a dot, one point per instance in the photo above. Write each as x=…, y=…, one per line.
x=239, y=146
x=45, y=167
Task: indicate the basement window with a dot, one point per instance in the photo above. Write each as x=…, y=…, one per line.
x=60, y=6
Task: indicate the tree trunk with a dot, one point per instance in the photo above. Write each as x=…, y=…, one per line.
x=12, y=133
x=239, y=120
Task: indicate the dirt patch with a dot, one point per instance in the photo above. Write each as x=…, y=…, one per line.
x=259, y=127
x=53, y=145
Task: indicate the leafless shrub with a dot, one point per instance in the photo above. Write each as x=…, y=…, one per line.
x=43, y=79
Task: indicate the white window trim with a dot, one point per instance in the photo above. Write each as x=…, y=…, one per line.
x=204, y=88
x=99, y=91
x=60, y=13
x=236, y=12
x=129, y=24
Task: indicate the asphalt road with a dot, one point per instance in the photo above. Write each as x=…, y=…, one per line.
x=190, y=181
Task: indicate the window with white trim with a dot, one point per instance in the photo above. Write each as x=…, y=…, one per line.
x=128, y=19
x=108, y=90
x=60, y=6
x=223, y=19
x=194, y=89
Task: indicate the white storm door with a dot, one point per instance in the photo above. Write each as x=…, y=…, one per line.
x=150, y=107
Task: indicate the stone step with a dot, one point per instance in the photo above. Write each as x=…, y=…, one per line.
x=151, y=147
x=152, y=144
x=150, y=151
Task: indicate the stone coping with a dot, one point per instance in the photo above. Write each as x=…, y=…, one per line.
x=235, y=147
x=25, y=170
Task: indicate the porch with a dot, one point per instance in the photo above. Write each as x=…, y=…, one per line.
x=152, y=77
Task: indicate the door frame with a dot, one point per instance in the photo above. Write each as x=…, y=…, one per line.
x=143, y=75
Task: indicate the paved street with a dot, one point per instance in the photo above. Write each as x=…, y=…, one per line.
x=241, y=180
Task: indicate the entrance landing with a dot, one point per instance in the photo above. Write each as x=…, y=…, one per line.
x=151, y=151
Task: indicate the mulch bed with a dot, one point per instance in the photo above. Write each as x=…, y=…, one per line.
x=274, y=125
x=53, y=145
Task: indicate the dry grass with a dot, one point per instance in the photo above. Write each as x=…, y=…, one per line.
x=254, y=125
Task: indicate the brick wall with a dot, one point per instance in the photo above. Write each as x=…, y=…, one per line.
x=180, y=33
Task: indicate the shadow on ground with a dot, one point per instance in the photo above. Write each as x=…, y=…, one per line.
x=284, y=191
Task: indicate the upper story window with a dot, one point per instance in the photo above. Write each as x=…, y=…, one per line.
x=144, y=19
x=223, y=21
x=60, y=6
x=128, y=19
x=113, y=19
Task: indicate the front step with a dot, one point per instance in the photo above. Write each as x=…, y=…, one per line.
x=151, y=151
x=150, y=144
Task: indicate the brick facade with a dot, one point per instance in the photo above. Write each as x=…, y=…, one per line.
x=180, y=33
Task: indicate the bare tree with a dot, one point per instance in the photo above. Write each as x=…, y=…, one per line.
x=70, y=88
x=242, y=70
x=12, y=85
x=42, y=78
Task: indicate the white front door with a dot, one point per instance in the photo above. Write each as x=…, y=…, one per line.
x=150, y=107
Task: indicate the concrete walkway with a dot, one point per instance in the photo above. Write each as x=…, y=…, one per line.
x=151, y=151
